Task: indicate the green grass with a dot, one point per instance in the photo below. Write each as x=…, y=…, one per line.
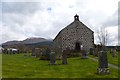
x=0, y=65
x=19, y=66
x=111, y=60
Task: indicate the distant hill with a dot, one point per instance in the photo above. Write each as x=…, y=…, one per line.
x=11, y=42
x=33, y=41
x=44, y=43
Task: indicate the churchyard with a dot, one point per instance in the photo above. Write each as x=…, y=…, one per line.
x=21, y=66
x=111, y=59
x=72, y=54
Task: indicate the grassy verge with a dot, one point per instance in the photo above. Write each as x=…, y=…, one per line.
x=0, y=65
x=111, y=60
x=19, y=66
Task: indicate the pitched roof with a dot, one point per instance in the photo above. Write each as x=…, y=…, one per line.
x=76, y=19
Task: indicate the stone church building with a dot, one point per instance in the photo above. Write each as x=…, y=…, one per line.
x=75, y=36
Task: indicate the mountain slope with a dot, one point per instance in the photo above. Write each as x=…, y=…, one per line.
x=33, y=40
x=30, y=41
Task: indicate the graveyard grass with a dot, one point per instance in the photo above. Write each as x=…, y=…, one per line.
x=0, y=65
x=19, y=66
x=111, y=60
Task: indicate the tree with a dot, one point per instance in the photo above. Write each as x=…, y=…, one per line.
x=103, y=36
x=22, y=47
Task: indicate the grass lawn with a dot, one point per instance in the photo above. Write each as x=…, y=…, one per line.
x=0, y=65
x=19, y=66
x=111, y=60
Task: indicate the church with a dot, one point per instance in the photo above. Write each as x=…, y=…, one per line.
x=75, y=36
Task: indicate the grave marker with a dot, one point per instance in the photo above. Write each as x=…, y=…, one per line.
x=113, y=52
x=64, y=57
x=33, y=52
x=52, y=58
x=103, y=63
x=84, y=54
x=91, y=51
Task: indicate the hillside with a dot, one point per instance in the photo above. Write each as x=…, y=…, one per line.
x=32, y=41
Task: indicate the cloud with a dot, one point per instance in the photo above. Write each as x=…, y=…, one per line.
x=20, y=7
x=112, y=35
x=111, y=20
x=46, y=18
x=10, y=34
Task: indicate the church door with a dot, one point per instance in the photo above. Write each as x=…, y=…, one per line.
x=77, y=46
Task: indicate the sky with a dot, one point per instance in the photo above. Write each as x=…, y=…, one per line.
x=21, y=19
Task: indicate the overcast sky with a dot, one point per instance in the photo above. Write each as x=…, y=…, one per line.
x=20, y=19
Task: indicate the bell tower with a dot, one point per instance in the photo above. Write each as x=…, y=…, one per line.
x=76, y=17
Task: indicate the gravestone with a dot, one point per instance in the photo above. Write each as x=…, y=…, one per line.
x=91, y=51
x=33, y=52
x=64, y=57
x=45, y=54
x=96, y=52
x=84, y=53
x=37, y=52
x=103, y=63
x=113, y=52
x=52, y=58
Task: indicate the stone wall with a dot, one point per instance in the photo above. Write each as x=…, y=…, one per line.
x=74, y=33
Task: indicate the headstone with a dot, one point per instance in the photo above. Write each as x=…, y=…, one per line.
x=84, y=53
x=91, y=51
x=52, y=58
x=96, y=52
x=113, y=52
x=64, y=57
x=37, y=52
x=45, y=54
x=33, y=52
x=103, y=63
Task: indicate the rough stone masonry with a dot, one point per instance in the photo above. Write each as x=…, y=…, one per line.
x=73, y=36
